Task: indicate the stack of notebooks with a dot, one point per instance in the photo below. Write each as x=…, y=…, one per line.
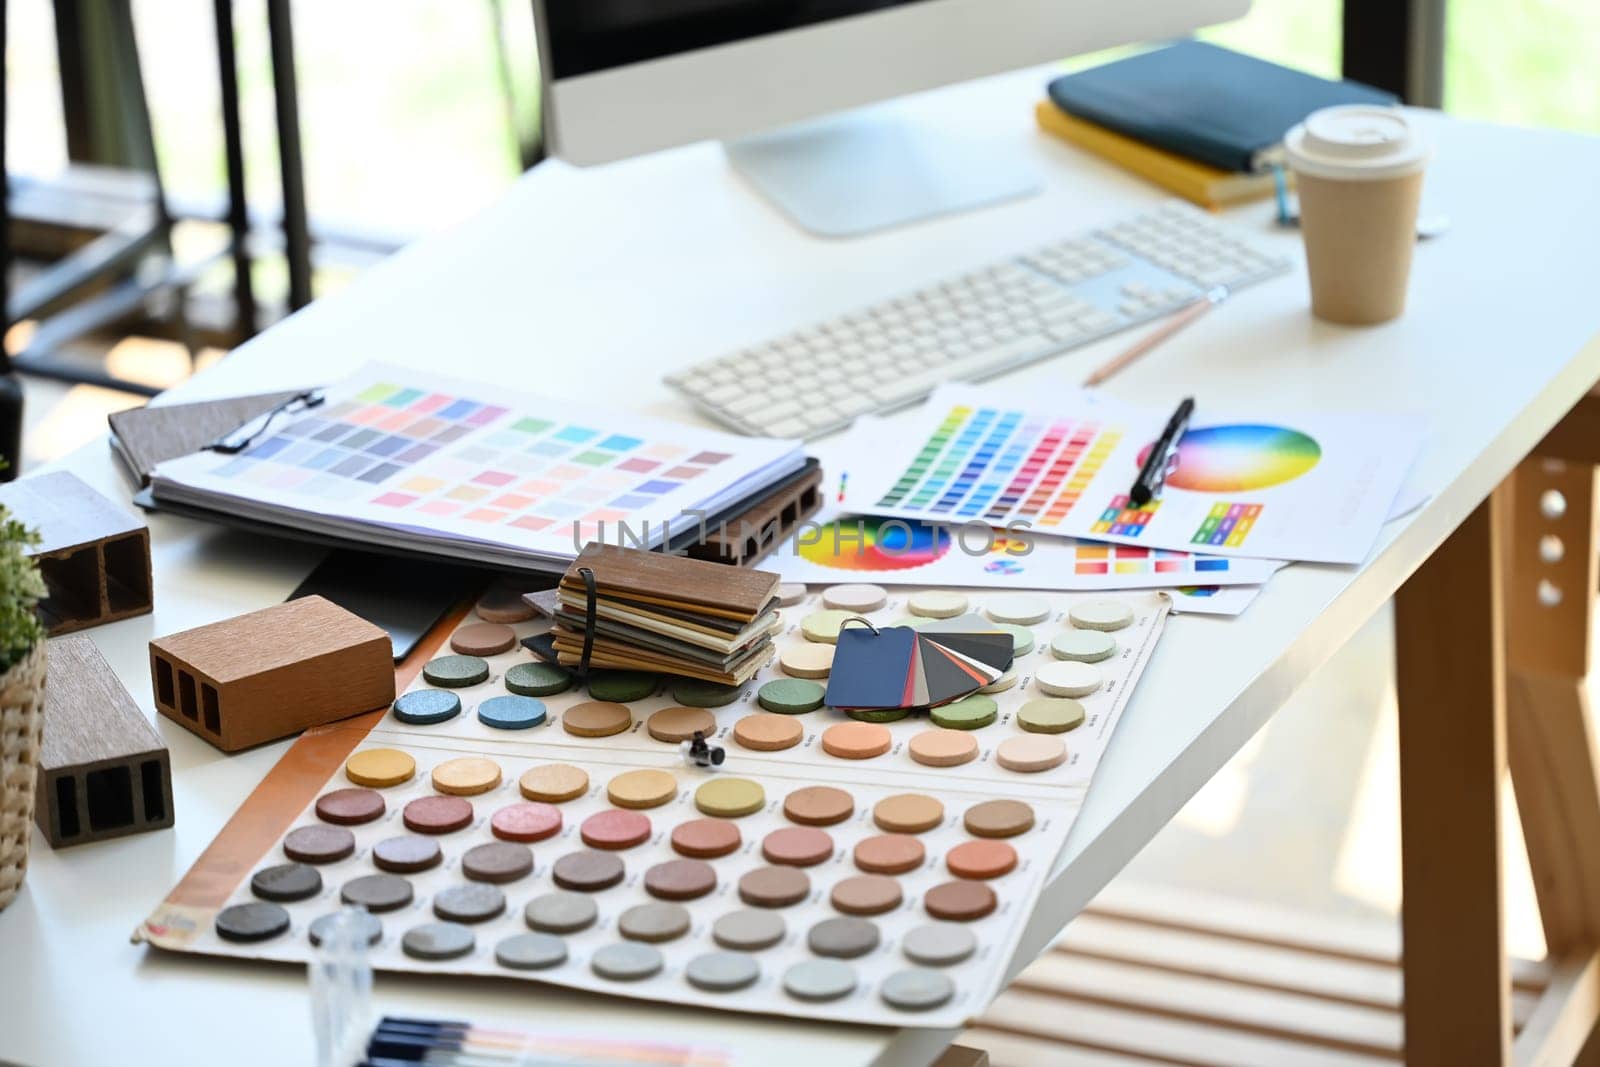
x=663, y=613
x=1203, y=122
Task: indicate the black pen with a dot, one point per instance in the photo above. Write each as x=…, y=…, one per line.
x=1153, y=474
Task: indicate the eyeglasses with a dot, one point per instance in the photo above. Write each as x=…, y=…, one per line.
x=242, y=438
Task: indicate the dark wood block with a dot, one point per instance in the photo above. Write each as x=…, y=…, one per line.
x=258, y=677
x=95, y=557
x=746, y=540
x=103, y=769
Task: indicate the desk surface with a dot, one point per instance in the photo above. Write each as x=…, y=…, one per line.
x=593, y=283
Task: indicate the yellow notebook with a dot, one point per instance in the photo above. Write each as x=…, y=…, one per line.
x=1198, y=183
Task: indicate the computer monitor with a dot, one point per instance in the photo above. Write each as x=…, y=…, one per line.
x=626, y=77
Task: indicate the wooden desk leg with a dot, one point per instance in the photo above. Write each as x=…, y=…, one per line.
x=1450, y=675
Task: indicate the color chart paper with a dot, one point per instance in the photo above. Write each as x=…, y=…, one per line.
x=411, y=459
x=1308, y=486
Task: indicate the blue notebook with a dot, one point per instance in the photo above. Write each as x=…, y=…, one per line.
x=1208, y=103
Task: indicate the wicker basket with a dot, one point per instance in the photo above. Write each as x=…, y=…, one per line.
x=21, y=723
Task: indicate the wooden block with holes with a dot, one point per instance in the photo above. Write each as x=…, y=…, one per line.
x=95, y=557
x=103, y=769
x=258, y=677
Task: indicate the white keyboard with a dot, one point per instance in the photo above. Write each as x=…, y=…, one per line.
x=1017, y=311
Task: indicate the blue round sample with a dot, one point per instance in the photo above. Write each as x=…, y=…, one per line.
x=511, y=712
x=424, y=707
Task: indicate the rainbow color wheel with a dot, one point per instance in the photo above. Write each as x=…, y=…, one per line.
x=876, y=545
x=1229, y=459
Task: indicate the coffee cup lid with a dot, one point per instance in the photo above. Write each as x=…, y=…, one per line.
x=1357, y=142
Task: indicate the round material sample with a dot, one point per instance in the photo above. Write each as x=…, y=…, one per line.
x=748, y=929
x=937, y=604
x=807, y=660
x=1031, y=753
x=889, y=854
x=938, y=944
x=626, y=961
x=1018, y=609
x=1085, y=646
x=916, y=990
x=318, y=844
x=818, y=805
x=436, y=815
x=1068, y=678
x=1050, y=715
x=286, y=882
x=858, y=598
x=655, y=922
x=959, y=901
x=1100, y=615
x=530, y=952
x=1006, y=681
x=350, y=807
x=856, y=740
x=560, y=912
x=729, y=798
x=504, y=603
x=943, y=748
x=512, y=713
x=843, y=938
x=466, y=776
x=969, y=713
x=455, y=672
x=596, y=718
x=622, y=686
x=1021, y=638
x=790, y=594
x=762, y=731
x=497, y=862
x=256, y=920
x=376, y=892
x=686, y=879
x=554, y=783
x=407, y=854
x=774, y=887
x=823, y=626
x=878, y=714
x=483, y=639
x=698, y=693
x=981, y=859
x=527, y=821
x=646, y=788
x=866, y=894
x=615, y=829
x=380, y=768
x=437, y=941
x=819, y=980
x=722, y=972
x=908, y=813
x=705, y=839
x=790, y=696
x=797, y=846
x=424, y=707
x=538, y=679
x=677, y=725
x=587, y=871
x=368, y=927
x=998, y=818
x=471, y=903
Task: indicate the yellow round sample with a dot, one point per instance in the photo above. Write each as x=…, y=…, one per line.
x=823, y=626
x=730, y=798
x=554, y=783
x=378, y=768
x=466, y=776
x=806, y=661
x=642, y=789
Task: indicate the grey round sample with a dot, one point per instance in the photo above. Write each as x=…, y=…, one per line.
x=377, y=892
x=843, y=938
x=655, y=922
x=456, y=672
x=471, y=903
x=626, y=961
x=538, y=679
x=318, y=844
x=530, y=952
x=816, y=980
x=497, y=862
x=916, y=989
x=437, y=941
x=286, y=882
x=424, y=707
x=560, y=912
x=322, y=927
x=406, y=854
x=588, y=871
x=748, y=929
x=256, y=920
x=722, y=972
x=938, y=944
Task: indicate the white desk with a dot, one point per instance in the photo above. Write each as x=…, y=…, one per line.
x=592, y=283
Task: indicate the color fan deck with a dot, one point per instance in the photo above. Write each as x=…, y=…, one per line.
x=501, y=820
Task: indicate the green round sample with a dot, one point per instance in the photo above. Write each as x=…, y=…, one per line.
x=968, y=713
x=1021, y=637
x=456, y=672
x=879, y=714
x=1085, y=646
x=538, y=679
x=791, y=696
x=697, y=693
x=1050, y=715
x=619, y=687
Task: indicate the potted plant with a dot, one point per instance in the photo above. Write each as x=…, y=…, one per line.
x=22, y=660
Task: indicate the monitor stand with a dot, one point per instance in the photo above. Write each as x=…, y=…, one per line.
x=877, y=167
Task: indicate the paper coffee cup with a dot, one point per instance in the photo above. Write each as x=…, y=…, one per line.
x=1358, y=169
